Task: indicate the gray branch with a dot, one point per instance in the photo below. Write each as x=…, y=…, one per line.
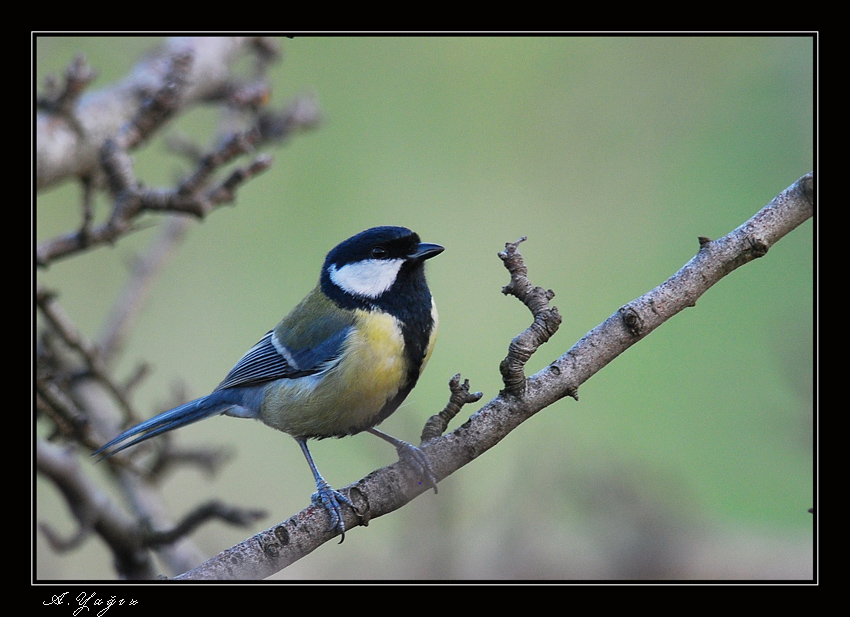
x=194, y=70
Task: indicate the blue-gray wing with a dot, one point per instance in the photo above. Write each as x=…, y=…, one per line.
x=269, y=360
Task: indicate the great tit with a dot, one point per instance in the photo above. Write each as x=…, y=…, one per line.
x=341, y=362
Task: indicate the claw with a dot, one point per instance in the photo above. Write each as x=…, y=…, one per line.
x=411, y=455
x=326, y=497
x=417, y=459
x=331, y=500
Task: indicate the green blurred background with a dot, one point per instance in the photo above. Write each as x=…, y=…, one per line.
x=689, y=456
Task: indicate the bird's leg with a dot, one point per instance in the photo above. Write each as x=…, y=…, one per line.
x=411, y=455
x=327, y=497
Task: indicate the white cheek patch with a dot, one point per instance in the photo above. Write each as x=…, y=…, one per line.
x=369, y=278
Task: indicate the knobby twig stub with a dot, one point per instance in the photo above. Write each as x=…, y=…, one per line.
x=460, y=396
x=545, y=324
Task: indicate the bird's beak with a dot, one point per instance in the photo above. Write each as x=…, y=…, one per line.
x=425, y=251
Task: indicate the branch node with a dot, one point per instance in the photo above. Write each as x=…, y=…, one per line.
x=571, y=391
x=756, y=247
x=632, y=320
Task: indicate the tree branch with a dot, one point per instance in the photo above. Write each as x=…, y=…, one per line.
x=94, y=512
x=389, y=488
x=127, y=537
x=186, y=72
x=89, y=139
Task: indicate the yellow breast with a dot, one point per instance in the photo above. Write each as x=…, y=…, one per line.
x=349, y=395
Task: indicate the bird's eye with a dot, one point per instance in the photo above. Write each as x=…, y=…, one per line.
x=379, y=252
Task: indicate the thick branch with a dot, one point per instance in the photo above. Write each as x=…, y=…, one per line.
x=388, y=489
x=191, y=69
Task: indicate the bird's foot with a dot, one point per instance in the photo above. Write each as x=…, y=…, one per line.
x=417, y=459
x=331, y=500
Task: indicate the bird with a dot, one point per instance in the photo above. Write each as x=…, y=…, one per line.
x=338, y=364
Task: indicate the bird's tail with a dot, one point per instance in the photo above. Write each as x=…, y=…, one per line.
x=188, y=413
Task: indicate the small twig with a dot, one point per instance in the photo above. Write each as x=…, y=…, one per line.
x=54, y=402
x=277, y=126
x=437, y=424
x=88, y=210
x=161, y=105
x=545, y=324
x=73, y=338
x=78, y=76
x=226, y=191
x=213, y=510
x=63, y=545
x=235, y=145
x=190, y=197
x=252, y=96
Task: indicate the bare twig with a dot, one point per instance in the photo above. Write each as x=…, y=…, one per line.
x=62, y=100
x=278, y=126
x=131, y=200
x=62, y=325
x=127, y=537
x=460, y=396
x=545, y=324
x=213, y=510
